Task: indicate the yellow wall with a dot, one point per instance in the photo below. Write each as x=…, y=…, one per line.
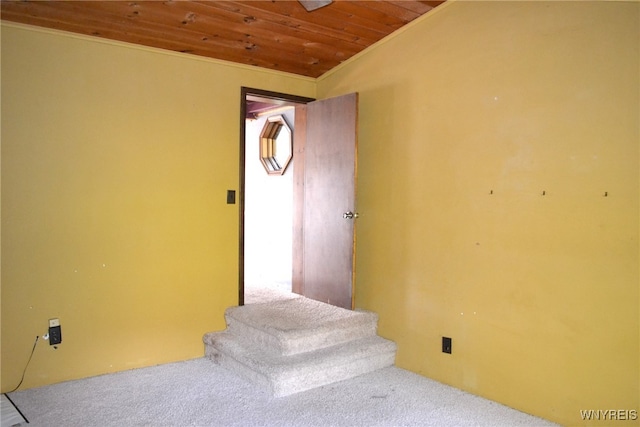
x=116, y=160
x=539, y=293
x=115, y=165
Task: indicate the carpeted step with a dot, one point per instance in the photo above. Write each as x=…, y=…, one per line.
x=283, y=375
x=298, y=325
x=298, y=344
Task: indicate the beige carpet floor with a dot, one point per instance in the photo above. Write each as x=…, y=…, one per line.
x=199, y=393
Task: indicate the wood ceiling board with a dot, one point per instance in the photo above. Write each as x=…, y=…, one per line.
x=279, y=35
x=341, y=17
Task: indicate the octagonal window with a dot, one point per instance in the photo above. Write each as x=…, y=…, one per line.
x=276, y=145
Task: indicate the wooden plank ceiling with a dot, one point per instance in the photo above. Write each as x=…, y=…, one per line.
x=279, y=35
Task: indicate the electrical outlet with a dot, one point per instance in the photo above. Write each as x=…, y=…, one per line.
x=55, y=332
x=446, y=345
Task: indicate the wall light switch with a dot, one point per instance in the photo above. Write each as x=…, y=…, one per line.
x=54, y=322
x=231, y=197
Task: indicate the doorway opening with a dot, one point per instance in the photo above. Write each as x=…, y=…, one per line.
x=266, y=201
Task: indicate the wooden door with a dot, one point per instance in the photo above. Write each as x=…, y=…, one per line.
x=325, y=153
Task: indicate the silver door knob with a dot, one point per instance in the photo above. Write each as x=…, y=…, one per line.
x=349, y=215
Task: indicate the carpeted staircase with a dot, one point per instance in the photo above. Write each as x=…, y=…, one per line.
x=298, y=344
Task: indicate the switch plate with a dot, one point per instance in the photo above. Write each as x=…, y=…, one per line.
x=446, y=345
x=54, y=322
x=231, y=197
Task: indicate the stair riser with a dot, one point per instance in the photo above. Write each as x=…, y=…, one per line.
x=291, y=383
x=335, y=374
x=233, y=365
x=300, y=344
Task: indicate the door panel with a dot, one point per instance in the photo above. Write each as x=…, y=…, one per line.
x=328, y=190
